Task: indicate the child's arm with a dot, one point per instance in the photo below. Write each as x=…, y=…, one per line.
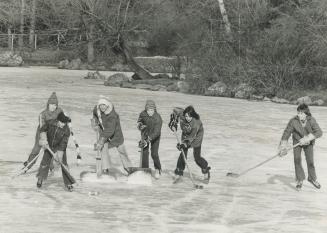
x=288, y=131
x=317, y=132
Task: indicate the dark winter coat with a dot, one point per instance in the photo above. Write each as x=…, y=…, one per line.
x=110, y=128
x=295, y=128
x=192, y=132
x=153, y=124
x=57, y=137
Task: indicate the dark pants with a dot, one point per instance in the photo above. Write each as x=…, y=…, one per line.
x=45, y=166
x=299, y=172
x=154, y=155
x=200, y=161
x=36, y=149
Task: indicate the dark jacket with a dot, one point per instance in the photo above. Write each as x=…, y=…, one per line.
x=110, y=128
x=46, y=115
x=192, y=132
x=57, y=137
x=295, y=128
x=153, y=124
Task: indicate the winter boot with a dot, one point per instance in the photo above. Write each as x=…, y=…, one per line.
x=299, y=185
x=157, y=174
x=39, y=183
x=70, y=188
x=315, y=183
x=206, y=173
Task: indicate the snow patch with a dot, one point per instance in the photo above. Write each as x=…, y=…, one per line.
x=140, y=178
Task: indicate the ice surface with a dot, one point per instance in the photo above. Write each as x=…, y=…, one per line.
x=238, y=135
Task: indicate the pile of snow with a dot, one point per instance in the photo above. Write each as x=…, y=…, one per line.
x=140, y=178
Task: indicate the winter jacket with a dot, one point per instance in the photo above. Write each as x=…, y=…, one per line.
x=57, y=137
x=295, y=128
x=192, y=132
x=153, y=124
x=110, y=128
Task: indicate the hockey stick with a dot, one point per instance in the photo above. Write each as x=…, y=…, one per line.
x=235, y=175
x=98, y=160
x=63, y=166
x=26, y=168
x=197, y=186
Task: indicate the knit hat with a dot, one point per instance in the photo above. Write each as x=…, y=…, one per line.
x=150, y=104
x=63, y=118
x=53, y=99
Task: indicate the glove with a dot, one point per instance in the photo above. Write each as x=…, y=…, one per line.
x=141, y=126
x=283, y=148
x=95, y=126
x=69, y=124
x=143, y=144
x=307, y=139
x=181, y=146
x=99, y=145
x=173, y=122
x=43, y=142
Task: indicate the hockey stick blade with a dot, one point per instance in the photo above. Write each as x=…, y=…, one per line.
x=231, y=174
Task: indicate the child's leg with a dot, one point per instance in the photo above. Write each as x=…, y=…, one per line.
x=123, y=156
x=308, y=151
x=145, y=157
x=105, y=157
x=200, y=161
x=181, y=163
x=44, y=166
x=155, y=155
x=299, y=172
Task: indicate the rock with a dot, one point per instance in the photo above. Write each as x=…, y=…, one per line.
x=243, y=91
x=127, y=85
x=10, y=59
x=218, y=89
x=116, y=80
x=256, y=97
x=158, y=88
x=63, y=64
x=75, y=64
x=183, y=87
x=95, y=75
x=172, y=87
x=135, y=76
x=280, y=100
x=143, y=86
x=304, y=100
x=267, y=99
x=318, y=102
x=163, y=76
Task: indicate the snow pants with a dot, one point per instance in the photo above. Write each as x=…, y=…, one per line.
x=45, y=166
x=106, y=160
x=200, y=161
x=299, y=172
x=154, y=155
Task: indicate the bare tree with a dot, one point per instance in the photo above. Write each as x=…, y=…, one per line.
x=21, y=28
x=33, y=21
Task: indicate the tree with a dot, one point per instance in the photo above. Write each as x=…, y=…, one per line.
x=32, y=24
x=21, y=28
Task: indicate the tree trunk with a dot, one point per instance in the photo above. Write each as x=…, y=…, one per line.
x=90, y=44
x=21, y=30
x=225, y=18
x=129, y=59
x=32, y=26
x=9, y=38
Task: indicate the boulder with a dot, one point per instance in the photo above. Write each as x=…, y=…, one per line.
x=95, y=75
x=10, y=59
x=218, y=89
x=159, y=88
x=172, y=87
x=267, y=99
x=280, y=100
x=63, y=64
x=183, y=87
x=318, y=102
x=75, y=64
x=143, y=86
x=256, y=97
x=243, y=91
x=135, y=76
x=163, y=76
x=304, y=100
x=116, y=80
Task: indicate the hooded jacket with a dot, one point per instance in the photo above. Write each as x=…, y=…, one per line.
x=109, y=123
x=295, y=128
x=153, y=123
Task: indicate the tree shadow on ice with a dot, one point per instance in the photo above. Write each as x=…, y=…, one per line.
x=285, y=180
